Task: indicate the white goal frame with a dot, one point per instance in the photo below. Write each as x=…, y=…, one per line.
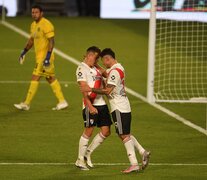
x=151, y=63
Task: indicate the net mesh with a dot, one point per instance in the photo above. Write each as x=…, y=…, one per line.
x=180, y=52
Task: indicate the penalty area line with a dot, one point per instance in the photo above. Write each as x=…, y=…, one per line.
x=97, y=164
x=128, y=90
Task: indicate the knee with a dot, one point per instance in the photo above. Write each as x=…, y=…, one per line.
x=35, y=78
x=106, y=133
x=88, y=132
x=50, y=79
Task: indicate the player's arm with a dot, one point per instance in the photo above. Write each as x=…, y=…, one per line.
x=51, y=43
x=87, y=100
x=28, y=46
x=106, y=91
x=30, y=43
x=49, y=52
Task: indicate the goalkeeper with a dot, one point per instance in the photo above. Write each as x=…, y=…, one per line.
x=42, y=37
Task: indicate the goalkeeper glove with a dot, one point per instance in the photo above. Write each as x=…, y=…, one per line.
x=22, y=56
x=46, y=62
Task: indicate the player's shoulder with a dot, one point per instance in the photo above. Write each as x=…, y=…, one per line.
x=119, y=66
x=116, y=68
x=81, y=67
x=81, y=72
x=46, y=22
x=117, y=71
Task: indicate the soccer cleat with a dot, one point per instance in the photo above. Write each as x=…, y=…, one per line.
x=131, y=168
x=81, y=164
x=61, y=105
x=22, y=106
x=87, y=159
x=145, y=159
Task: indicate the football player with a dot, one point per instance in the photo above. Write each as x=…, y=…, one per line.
x=42, y=38
x=120, y=108
x=95, y=111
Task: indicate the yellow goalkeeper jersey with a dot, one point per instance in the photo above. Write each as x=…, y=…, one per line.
x=41, y=31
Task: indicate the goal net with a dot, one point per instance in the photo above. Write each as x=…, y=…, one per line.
x=177, y=68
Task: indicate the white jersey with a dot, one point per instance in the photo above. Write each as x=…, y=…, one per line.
x=118, y=99
x=93, y=78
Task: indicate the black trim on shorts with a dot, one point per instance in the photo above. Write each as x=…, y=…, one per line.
x=103, y=117
x=122, y=122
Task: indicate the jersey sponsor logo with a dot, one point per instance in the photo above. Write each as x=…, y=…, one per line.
x=122, y=91
x=113, y=77
x=80, y=74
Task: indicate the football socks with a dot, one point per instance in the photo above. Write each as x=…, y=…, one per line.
x=137, y=145
x=83, y=144
x=97, y=140
x=57, y=90
x=31, y=92
x=131, y=152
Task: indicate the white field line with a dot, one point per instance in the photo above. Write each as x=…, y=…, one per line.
x=42, y=82
x=130, y=91
x=97, y=164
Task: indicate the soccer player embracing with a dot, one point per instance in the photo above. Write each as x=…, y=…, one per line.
x=95, y=111
x=120, y=108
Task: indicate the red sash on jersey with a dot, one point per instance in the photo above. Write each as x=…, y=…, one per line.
x=97, y=84
x=121, y=74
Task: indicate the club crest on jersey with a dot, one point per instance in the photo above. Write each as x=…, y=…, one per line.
x=96, y=78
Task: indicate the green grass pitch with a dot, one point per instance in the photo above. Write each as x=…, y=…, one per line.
x=44, y=136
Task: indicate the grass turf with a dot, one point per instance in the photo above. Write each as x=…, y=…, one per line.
x=41, y=135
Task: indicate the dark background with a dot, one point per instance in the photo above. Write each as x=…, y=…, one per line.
x=61, y=7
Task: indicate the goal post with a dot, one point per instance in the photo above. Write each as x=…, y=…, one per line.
x=151, y=52
x=3, y=11
x=177, y=52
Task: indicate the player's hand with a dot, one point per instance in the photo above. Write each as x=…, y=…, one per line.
x=93, y=110
x=85, y=88
x=46, y=63
x=21, y=59
x=22, y=56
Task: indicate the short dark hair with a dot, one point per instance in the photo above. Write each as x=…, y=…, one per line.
x=36, y=6
x=94, y=49
x=108, y=51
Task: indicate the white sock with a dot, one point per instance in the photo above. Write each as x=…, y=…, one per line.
x=97, y=140
x=131, y=152
x=83, y=144
x=137, y=145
